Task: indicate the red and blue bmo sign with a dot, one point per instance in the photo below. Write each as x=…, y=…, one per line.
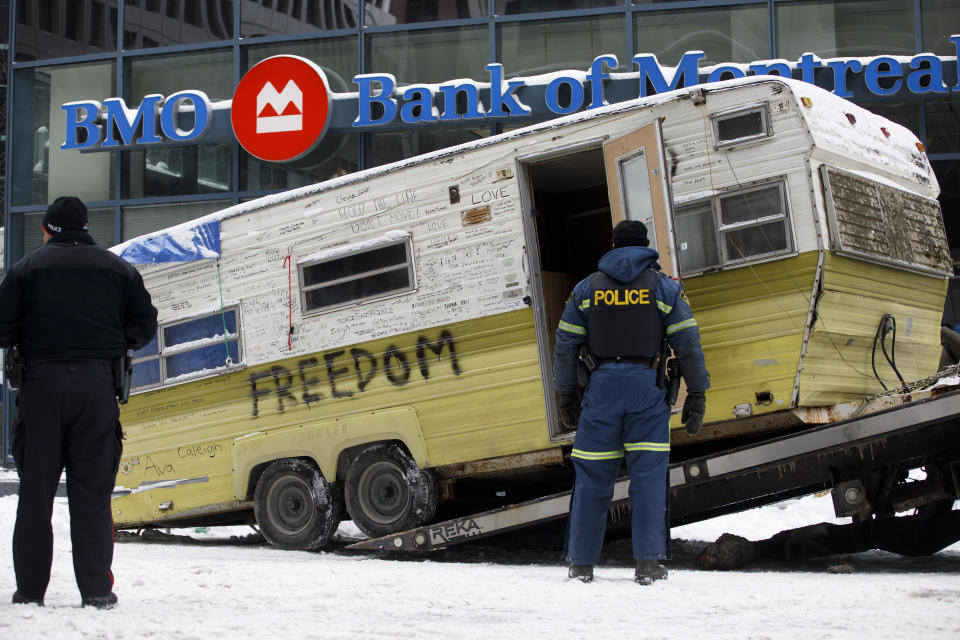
x=283, y=106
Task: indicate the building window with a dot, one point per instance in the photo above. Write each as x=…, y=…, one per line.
x=733, y=227
x=530, y=48
x=141, y=219
x=724, y=34
x=940, y=20
x=742, y=125
x=432, y=55
x=360, y=275
x=845, y=28
x=200, y=21
x=508, y=7
x=943, y=126
x=64, y=28
x=41, y=170
x=387, y=147
x=188, y=349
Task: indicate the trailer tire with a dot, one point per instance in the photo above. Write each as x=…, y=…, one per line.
x=387, y=492
x=295, y=506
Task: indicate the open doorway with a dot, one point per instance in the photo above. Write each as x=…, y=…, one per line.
x=572, y=222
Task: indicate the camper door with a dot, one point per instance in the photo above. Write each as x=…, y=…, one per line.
x=639, y=189
x=573, y=196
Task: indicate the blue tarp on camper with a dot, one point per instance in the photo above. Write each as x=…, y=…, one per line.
x=182, y=244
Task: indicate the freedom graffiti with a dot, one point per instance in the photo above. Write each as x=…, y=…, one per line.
x=343, y=373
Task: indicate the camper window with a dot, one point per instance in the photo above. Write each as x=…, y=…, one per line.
x=741, y=126
x=732, y=227
x=146, y=365
x=358, y=276
x=188, y=347
x=201, y=344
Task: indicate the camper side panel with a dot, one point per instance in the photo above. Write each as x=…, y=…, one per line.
x=456, y=344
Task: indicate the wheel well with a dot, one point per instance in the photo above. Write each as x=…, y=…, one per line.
x=258, y=470
x=348, y=455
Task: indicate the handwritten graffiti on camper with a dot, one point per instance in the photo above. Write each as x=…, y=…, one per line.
x=341, y=373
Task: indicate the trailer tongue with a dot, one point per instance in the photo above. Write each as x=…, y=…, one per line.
x=864, y=461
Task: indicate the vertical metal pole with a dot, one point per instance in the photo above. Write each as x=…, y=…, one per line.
x=237, y=73
x=5, y=394
x=118, y=157
x=361, y=65
x=628, y=61
x=493, y=52
x=772, y=25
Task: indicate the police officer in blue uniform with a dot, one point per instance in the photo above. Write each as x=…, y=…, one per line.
x=74, y=308
x=623, y=313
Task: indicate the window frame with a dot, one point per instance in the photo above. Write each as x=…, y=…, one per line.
x=164, y=351
x=758, y=107
x=368, y=247
x=720, y=230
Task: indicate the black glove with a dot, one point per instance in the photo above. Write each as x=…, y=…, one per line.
x=694, y=408
x=569, y=410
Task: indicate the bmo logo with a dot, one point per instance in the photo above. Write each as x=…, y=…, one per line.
x=281, y=108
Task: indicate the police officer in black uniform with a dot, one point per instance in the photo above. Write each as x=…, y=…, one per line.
x=74, y=308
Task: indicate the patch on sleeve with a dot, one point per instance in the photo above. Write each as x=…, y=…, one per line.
x=683, y=296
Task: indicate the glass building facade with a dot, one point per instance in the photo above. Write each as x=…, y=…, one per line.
x=69, y=50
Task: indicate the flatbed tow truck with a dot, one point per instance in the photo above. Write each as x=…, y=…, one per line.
x=864, y=460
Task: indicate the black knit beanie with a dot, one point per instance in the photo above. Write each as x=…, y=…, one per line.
x=67, y=213
x=630, y=233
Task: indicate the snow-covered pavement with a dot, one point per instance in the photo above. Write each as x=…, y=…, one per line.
x=207, y=590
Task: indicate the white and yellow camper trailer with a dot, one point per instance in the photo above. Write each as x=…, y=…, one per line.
x=368, y=341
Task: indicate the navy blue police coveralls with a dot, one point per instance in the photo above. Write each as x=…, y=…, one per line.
x=623, y=412
x=74, y=308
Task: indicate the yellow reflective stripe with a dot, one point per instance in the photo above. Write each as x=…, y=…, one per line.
x=673, y=328
x=596, y=455
x=647, y=446
x=585, y=304
x=573, y=328
x=664, y=307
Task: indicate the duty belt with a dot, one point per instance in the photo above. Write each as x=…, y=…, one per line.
x=650, y=361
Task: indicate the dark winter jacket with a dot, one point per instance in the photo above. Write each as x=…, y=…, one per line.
x=624, y=264
x=73, y=300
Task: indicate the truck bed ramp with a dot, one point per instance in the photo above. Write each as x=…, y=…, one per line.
x=743, y=478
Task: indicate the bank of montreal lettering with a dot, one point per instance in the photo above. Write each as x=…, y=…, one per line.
x=394, y=363
x=380, y=93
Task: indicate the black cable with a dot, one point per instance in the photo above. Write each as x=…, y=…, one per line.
x=888, y=324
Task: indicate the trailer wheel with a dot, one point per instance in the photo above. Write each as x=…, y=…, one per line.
x=295, y=506
x=387, y=492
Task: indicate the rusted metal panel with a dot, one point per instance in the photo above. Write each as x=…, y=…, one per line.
x=877, y=221
x=504, y=463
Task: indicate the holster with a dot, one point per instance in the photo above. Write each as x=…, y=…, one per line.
x=123, y=376
x=586, y=364
x=661, y=363
x=14, y=368
x=673, y=381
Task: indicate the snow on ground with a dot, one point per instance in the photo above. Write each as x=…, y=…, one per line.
x=210, y=589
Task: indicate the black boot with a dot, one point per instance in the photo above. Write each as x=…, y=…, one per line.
x=582, y=572
x=648, y=571
x=19, y=598
x=100, y=602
